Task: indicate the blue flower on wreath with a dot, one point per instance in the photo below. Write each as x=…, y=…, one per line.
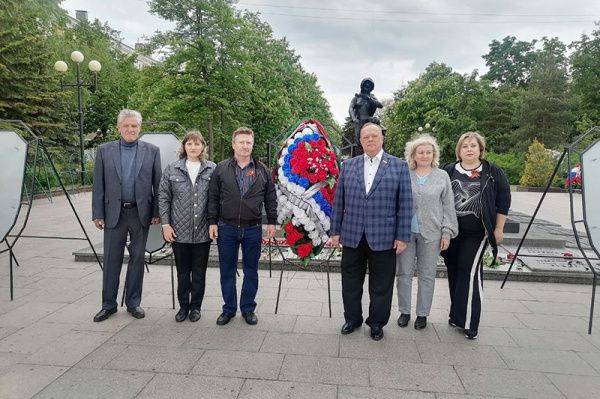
x=323, y=204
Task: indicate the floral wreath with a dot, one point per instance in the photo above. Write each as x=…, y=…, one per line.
x=306, y=178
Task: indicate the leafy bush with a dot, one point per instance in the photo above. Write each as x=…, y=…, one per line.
x=539, y=164
x=512, y=163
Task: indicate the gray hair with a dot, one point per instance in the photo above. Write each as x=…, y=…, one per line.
x=129, y=113
x=369, y=124
x=411, y=148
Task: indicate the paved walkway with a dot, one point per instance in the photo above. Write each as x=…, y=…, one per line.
x=555, y=207
x=533, y=341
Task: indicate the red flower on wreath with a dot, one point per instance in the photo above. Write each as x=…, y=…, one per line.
x=328, y=193
x=292, y=235
x=305, y=249
x=314, y=161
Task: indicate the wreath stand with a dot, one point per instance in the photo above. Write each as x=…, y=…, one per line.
x=294, y=264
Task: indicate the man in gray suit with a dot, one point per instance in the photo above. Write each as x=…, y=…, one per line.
x=124, y=200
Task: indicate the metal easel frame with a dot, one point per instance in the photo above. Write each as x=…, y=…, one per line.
x=293, y=264
x=37, y=149
x=573, y=148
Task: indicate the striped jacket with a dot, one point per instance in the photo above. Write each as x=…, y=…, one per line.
x=383, y=215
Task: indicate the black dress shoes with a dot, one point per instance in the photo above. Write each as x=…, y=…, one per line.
x=181, y=315
x=420, y=323
x=376, y=333
x=403, y=320
x=471, y=334
x=348, y=327
x=224, y=318
x=250, y=318
x=195, y=315
x=104, y=314
x=137, y=312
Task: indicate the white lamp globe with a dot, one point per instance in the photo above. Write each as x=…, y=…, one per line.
x=76, y=56
x=61, y=66
x=420, y=129
x=427, y=126
x=95, y=66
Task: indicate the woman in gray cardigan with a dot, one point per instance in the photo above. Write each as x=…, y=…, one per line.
x=433, y=225
x=182, y=202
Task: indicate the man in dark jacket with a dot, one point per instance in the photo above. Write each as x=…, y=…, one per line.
x=124, y=201
x=238, y=189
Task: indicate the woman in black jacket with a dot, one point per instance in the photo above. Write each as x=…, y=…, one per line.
x=482, y=200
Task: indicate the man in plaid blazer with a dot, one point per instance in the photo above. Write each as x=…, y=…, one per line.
x=371, y=218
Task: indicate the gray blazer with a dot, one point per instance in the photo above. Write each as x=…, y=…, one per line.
x=183, y=205
x=106, y=193
x=433, y=203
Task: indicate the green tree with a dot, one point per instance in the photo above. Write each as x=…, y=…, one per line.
x=282, y=91
x=539, y=164
x=199, y=62
x=585, y=67
x=449, y=101
x=546, y=109
x=29, y=89
x=498, y=120
x=512, y=163
x=223, y=68
x=33, y=35
x=510, y=61
x=531, y=97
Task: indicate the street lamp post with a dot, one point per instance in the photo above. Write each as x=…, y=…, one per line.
x=94, y=66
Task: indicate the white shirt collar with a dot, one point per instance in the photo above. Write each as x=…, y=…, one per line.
x=376, y=158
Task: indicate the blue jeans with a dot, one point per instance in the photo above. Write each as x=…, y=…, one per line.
x=230, y=238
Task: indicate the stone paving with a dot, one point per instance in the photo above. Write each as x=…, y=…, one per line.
x=533, y=338
x=555, y=207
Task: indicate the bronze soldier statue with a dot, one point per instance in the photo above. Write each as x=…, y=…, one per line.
x=362, y=108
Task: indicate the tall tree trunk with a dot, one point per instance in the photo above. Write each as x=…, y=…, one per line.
x=211, y=141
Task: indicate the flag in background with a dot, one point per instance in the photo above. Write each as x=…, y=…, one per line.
x=574, y=176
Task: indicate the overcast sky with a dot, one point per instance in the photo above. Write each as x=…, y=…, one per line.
x=343, y=41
